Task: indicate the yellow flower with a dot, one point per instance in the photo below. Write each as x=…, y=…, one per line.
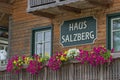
x=14, y=62
x=27, y=58
x=65, y=52
x=62, y=58
x=41, y=60
x=46, y=54
x=19, y=64
x=26, y=62
x=19, y=60
x=103, y=46
x=57, y=57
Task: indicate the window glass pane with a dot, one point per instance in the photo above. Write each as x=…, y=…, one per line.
x=43, y=42
x=116, y=40
x=39, y=36
x=47, y=36
x=6, y=49
x=47, y=49
x=39, y=49
x=116, y=24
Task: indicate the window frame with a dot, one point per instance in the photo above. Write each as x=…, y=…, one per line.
x=112, y=31
x=43, y=28
x=109, y=37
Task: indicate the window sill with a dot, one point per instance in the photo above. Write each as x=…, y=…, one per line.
x=115, y=55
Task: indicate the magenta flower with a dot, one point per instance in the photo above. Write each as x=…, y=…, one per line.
x=54, y=63
x=34, y=67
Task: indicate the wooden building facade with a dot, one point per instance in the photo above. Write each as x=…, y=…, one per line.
x=26, y=18
x=40, y=26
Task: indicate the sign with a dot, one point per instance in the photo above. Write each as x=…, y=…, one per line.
x=78, y=31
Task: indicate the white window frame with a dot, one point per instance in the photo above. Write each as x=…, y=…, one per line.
x=43, y=42
x=112, y=30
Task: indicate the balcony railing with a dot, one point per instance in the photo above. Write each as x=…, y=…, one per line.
x=71, y=71
x=35, y=3
x=52, y=8
x=44, y=4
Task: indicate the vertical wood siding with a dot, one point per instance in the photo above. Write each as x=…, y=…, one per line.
x=72, y=71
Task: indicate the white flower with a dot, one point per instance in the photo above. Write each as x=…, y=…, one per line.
x=73, y=53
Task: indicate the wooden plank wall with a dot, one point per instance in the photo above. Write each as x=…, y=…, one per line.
x=23, y=23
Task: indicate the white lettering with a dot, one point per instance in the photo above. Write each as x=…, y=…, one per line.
x=78, y=26
x=92, y=35
x=67, y=38
x=71, y=28
x=78, y=37
x=85, y=24
x=63, y=39
x=75, y=37
x=83, y=36
x=87, y=35
x=71, y=38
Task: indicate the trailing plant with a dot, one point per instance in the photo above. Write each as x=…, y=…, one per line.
x=55, y=61
x=95, y=57
x=36, y=64
x=15, y=64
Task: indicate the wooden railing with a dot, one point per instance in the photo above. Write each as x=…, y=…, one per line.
x=35, y=3
x=39, y=3
x=70, y=71
x=53, y=8
x=44, y=4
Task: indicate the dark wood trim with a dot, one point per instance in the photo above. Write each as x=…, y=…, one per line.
x=69, y=8
x=3, y=28
x=108, y=29
x=104, y=3
x=11, y=1
x=44, y=14
x=49, y=27
x=10, y=37
x=2, y=16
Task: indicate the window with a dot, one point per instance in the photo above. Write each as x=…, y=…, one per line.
x=42, y=41
x=114, y=32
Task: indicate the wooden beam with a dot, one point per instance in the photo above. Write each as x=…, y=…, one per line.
x=2, y=15
x=5, y=8
x=12, y=1
x=71, y=9
x=44, y=14
x=104, y=3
